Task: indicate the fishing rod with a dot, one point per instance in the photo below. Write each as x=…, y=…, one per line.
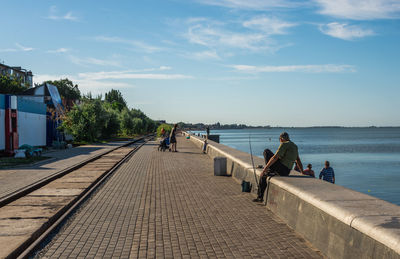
x=252, y=160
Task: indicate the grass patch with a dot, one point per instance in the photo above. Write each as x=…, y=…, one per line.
x=6, y=162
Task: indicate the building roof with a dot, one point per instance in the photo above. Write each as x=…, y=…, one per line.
x=18, y=69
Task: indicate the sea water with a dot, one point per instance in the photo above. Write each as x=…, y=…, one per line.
x=364, y=159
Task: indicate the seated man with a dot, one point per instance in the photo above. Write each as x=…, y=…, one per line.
x=281, y=163
x=309, y=171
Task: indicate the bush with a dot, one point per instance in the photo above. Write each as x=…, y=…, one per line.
x=66, y=89
x=150, y=125
x=85, y=122
x=138, y=126
x=115, y=97
x=164, y=126
x=9, y=85
x=95, y=119
x=112, y=124
x=126, y=121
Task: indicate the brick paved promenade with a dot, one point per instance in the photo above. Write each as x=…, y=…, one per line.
x=14, y=179
x=169, y=205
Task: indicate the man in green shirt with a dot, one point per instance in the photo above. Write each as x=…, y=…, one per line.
x=279, y=164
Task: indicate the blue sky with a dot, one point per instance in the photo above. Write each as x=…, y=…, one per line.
x=259, y=62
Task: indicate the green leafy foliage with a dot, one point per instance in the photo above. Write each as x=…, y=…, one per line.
x=116, y=99
x=66, y=89
x=10, y=85
x=135, y=122
x=138, y=126
x=126, y=122
x=95, y=119
x=112, y=123
x=85, y=122
x=164, y=126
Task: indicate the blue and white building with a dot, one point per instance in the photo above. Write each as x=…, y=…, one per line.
x=23, y=120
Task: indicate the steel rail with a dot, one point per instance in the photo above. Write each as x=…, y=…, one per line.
x=30, y=246
x=42, y=182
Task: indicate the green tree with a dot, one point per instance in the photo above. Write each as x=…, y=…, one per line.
x=95, y=119
x=181, y=125
x=164, y=126
x=116, y=99
x=138, y=126
x=85, y=122
x=126, y=122
x=150, y=125
x=136, y=113
x=112, y=124
x=10, y=85
x=67, y=89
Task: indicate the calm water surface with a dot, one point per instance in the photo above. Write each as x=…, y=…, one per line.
x=364, y=159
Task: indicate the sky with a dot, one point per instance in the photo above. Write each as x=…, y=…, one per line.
x=257, y=62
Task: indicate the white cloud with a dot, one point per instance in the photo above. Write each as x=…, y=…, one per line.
x=40, y=78
x=162, y=68
x=60, y=50
x=328, y=68
x=217, y=37
x=252, y=4
x=253, y=35
x=19, y=48
x=360, y=9
x=85, y=61
x=69, y=16
x=204, y=55
x=85, y=84
x=53, y=15
x=269, y=25
x=197, y=19
x=133, y=43
x=129, y=74
x=344, y=31
x=23, y=48
x=98, y=82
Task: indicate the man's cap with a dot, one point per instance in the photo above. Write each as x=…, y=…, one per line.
x=284, y=135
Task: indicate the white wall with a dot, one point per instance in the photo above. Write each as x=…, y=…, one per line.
x=31, y=129
x=2, y=130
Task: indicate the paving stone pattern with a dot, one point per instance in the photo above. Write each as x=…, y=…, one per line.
x=169, y=205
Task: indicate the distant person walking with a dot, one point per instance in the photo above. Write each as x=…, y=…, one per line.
x=172, y=138
x=309, y=171
x=208, y=131
x=281, y=163
x=327, y=173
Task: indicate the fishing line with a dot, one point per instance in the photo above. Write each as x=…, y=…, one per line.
x=252, y=161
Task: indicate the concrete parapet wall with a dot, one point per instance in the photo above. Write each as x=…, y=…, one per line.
x=340, y=222
x=239, y=164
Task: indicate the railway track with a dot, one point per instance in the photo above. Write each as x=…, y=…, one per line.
x=29, y=215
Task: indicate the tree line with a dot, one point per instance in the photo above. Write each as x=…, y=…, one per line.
x=95, y=118
x=89, y=118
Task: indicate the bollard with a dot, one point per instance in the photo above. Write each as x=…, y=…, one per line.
x=219, y=166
